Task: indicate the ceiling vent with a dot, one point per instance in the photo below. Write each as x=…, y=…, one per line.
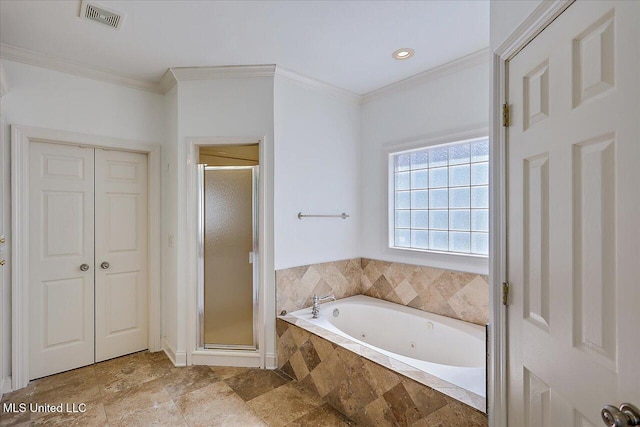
x=96, y=13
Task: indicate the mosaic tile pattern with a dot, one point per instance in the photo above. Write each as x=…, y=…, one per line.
x=295, y=286
x=144, y=389
x=463, y=296
x=363, y=390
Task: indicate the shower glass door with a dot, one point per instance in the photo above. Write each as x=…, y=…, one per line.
x=227, y=300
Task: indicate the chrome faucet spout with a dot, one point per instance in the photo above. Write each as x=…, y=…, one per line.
x=315, y=309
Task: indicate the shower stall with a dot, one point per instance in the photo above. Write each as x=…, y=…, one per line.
x=227, y=257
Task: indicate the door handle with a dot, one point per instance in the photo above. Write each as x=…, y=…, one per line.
x=104, y=265
x=84, y=267
x=632, y=412
x=627, y=415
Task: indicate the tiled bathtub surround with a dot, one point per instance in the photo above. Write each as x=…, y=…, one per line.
x=463, y=296
x=364, y=390
x=296, y=286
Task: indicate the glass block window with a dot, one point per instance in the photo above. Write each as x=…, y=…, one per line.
x=441, y=198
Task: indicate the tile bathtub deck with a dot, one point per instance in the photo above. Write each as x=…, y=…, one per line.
x=146, y=389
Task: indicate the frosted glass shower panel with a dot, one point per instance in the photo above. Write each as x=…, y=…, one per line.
x=228, y=272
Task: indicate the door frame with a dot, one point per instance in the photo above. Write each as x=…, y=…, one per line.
x=260, y=358
x=5, y=248
x=497, y=374
x=21, y=138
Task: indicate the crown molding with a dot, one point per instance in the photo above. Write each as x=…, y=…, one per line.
x=37, y=59
x=167, y=81
x=318, y=84
x=177, y=74
x=454, y=66
x=541, y=16
x=222, y=72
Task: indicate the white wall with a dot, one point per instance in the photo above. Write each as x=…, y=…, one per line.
x=434, y=108
x=327, y=155
x=49, y=99
x=43, y=98
x=206, y=108
x=318, y=137
x=317, y=155
x=170, y=221
x=314, y=137
x=506, y=16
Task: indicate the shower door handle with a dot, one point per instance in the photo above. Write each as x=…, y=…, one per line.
x=250, y=257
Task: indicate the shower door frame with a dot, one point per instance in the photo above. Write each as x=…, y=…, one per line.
x=255, y=259
x=187, y=352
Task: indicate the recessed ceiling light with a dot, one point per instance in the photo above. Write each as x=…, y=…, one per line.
x=404, y=53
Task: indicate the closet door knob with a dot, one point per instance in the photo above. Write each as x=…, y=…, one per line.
x=628, y=415
x=104, y=265
x=84, y=267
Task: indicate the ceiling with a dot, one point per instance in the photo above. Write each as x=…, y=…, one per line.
x=347, y=44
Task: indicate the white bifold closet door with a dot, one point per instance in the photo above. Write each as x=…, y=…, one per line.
x=86, y=207
x=61, y=295
x=121, y=253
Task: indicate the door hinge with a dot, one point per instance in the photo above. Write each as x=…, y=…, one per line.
x=506, y=122
x=505, y=293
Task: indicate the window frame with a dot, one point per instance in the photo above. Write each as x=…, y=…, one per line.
x=474, y=263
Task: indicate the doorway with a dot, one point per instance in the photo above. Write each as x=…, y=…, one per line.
x=228, y=247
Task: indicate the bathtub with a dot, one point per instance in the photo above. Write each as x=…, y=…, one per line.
x=445, y=348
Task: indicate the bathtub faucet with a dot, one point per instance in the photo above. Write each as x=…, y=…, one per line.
x=316, y=304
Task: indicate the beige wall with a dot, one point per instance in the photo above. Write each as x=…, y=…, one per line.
x=455, y=294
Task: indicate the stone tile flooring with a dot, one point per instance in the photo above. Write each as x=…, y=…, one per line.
x=144, y=389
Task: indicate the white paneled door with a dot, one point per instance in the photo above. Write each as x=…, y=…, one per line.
x=121, y=253
x=574, y=218
x=86, y=206
x=61, y=292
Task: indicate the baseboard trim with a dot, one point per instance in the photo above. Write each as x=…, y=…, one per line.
x=271, y=361
x=237, y=358
x=169, y=351
x=5, y=386
x=181, y=358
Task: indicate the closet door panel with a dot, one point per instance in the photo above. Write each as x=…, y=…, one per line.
x=61, y=293
x=121, y=253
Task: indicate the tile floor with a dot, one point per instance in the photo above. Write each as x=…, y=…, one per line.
x=146, y=389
